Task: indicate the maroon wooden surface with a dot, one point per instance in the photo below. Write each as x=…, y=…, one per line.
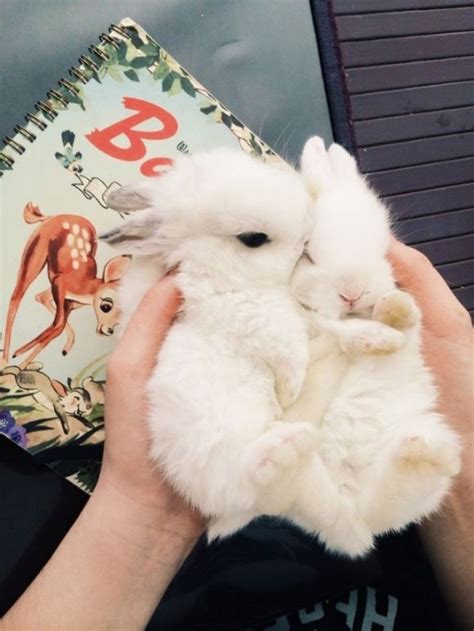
x=409, y=71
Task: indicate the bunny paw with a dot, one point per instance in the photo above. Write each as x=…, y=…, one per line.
x=416, y=454
x=279, y=451
x=288, y=384
x=396, y=309
x=370, y=338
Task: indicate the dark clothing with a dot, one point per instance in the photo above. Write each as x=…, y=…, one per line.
x=270, y=576
x=273, y=577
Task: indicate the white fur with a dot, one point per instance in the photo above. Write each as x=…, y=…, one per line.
x=375, y=454
x=385, y=456
x=241, y=338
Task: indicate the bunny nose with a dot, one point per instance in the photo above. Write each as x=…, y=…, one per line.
x=351, y=298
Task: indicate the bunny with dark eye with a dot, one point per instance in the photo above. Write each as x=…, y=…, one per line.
x=234, y=228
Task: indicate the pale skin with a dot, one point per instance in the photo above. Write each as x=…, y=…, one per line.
x=448, y=347
x=134, y=533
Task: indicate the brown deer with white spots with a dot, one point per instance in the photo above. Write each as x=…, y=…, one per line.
x=66, y=246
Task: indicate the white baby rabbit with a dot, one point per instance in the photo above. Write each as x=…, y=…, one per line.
x=236, y=228
x=385, y=456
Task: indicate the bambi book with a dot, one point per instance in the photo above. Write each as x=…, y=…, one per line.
x=125, y=112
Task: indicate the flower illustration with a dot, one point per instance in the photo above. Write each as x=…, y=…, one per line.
x=7, y=421
x=9, y=428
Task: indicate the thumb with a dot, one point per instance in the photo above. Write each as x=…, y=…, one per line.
x=147, y=328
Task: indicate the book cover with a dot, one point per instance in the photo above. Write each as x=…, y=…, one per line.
x=126, y=111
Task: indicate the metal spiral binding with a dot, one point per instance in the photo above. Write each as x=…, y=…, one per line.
x=14, y=145
x=31, y=118
x=70, y=87
x=78, y=74
x=25, y=133
x=120, y=30
x=88, y=63
x=98, y=53
x=109, y=40
x=53, y=95
x=7, y=159
x=47, y=110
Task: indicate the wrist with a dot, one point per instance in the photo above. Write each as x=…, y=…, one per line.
x=161, y=528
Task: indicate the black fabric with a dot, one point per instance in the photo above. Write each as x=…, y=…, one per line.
x=37, y=508
x=331, y=64
x=270, y=576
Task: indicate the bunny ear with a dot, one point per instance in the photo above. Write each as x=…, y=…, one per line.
x=59, y=388
x=342, y=163
x=315, y=166
x=130, y=198
x=134, y=235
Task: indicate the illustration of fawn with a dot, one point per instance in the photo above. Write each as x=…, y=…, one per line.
x=66, y=245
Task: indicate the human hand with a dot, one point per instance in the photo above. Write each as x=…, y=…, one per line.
x=127, y=470
x=134, y=532
x=447, y=345
x=447, y=334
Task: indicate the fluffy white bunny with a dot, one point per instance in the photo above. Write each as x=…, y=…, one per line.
x=236, y=228
x=385, y=457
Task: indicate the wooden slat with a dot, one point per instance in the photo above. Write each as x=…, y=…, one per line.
x=416, y=152
x=457, y=274
x=342, y=7
x=405, y=23
x=436, y=226
x=448, y=250
x=409, y=70
x=389, y=77
x=385, y=51
x=412, y=100
x=466, y=296
x=423, y=176
x=434, y=201
x=411, y=126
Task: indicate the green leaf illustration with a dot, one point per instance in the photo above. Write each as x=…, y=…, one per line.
x=47, y=444
x=140, y=62
x=113, y=55
x=188, y=86
x=135, y=37
x=168, y=82
x=96, y=76
x=209, y=109
x=121, y=50
x=115, y=74
x=256, y=147
x=226, y=119
x=161, y=70
x=132, y=75
x=176, y=87
x=87, y=475
x=77, y=99
x=236, y=121
x=150, y=49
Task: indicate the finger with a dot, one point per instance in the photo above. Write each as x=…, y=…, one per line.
x=147, y=328
x=414, y=272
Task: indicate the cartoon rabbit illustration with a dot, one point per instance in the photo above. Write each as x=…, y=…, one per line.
x=52, y=394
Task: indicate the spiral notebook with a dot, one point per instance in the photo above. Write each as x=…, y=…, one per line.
x=127, y=109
